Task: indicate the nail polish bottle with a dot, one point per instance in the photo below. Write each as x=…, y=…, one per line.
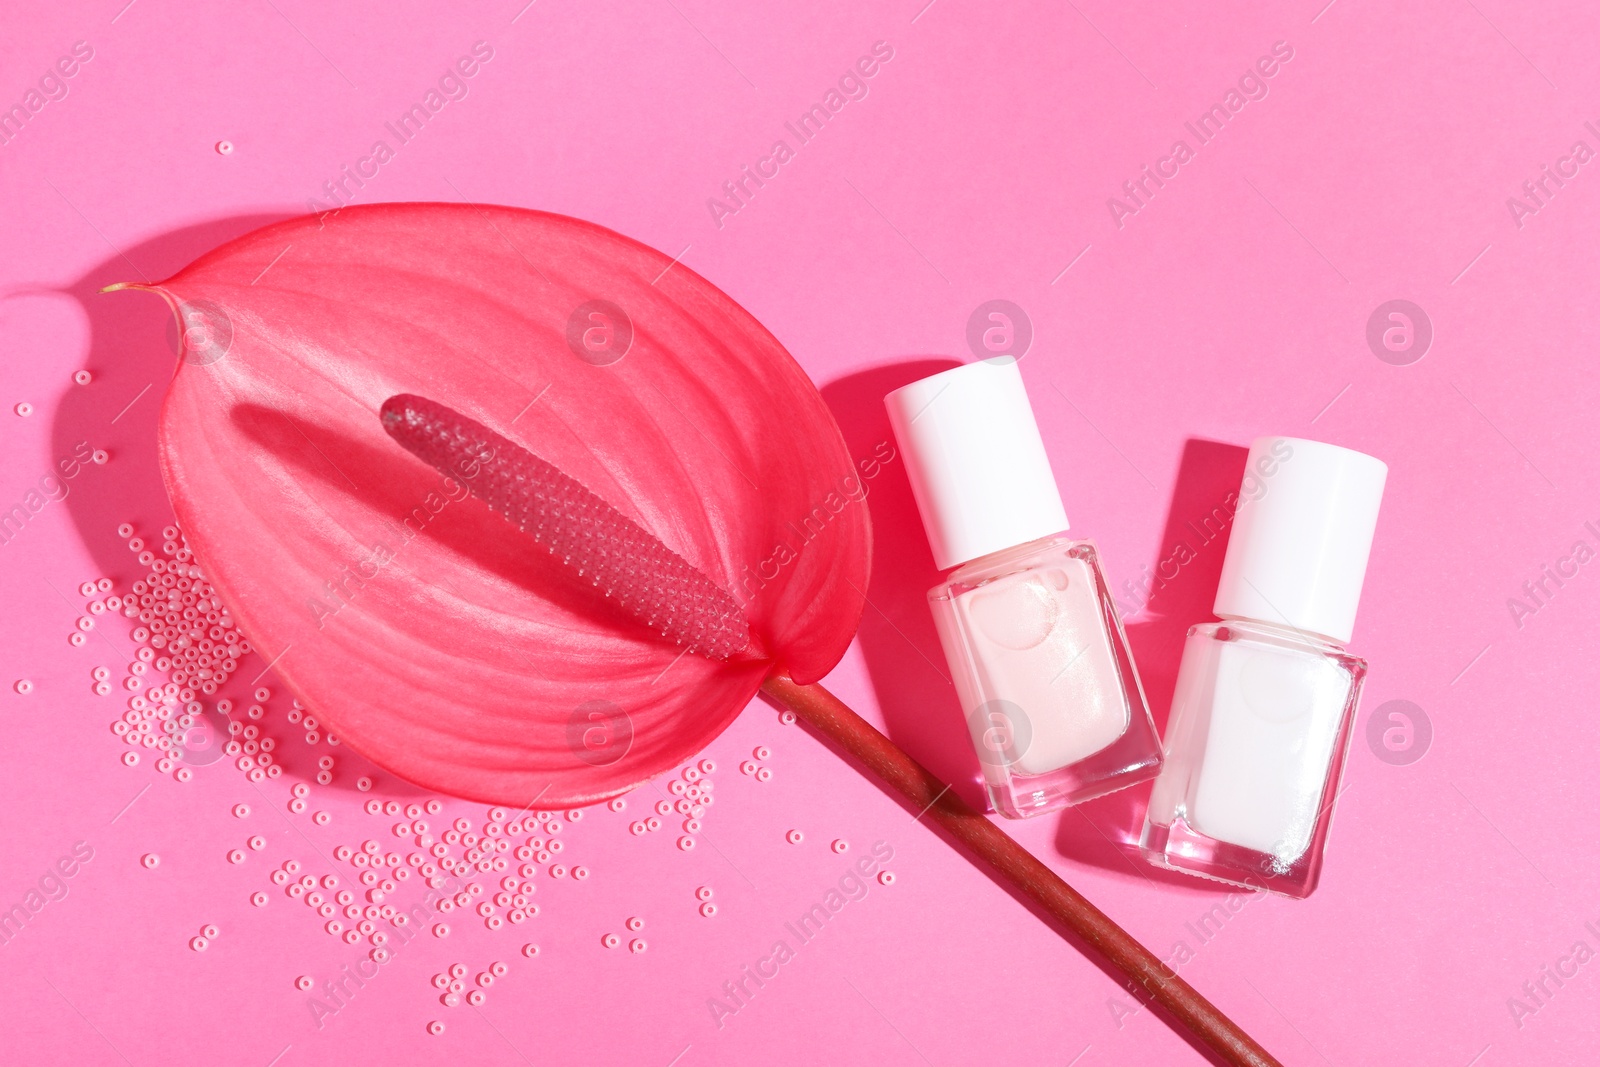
x=1264, y=701
x=1036, y=650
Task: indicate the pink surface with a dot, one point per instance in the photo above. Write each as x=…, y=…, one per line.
x=1234, y=301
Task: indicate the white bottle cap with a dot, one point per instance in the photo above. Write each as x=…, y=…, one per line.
x=975, y=459
x=1298, y=551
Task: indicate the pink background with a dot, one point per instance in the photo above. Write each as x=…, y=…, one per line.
x=1234, y=303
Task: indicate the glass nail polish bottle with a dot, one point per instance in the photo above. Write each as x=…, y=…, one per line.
x=1036, y=650
x=1264, y=702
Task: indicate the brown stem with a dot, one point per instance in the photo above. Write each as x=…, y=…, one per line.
x=1018, y=867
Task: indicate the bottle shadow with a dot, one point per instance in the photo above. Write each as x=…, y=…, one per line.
x=1164, y=600
x=133, y=348
x=898, y=642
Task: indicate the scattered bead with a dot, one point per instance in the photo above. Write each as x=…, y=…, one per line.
x=611, y=941
x=886, y=878
x=703, y=893
x=24, y=409
x=637, y=945
x=840, y=845
x=436, y=1028
x=530, y=949
x=180, y=616
x=795, y=837
x=304, y=982
x=150, y=860
x=83, y=377
x=708, y=909
x=23, y=686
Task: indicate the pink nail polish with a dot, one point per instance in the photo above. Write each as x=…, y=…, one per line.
x=1264, y=700
x=1036, y=650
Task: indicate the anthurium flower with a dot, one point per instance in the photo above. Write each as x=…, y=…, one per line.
x=424, y=630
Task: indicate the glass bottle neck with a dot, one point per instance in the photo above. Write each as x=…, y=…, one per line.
x=1282, y=629
x=1002, y=556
